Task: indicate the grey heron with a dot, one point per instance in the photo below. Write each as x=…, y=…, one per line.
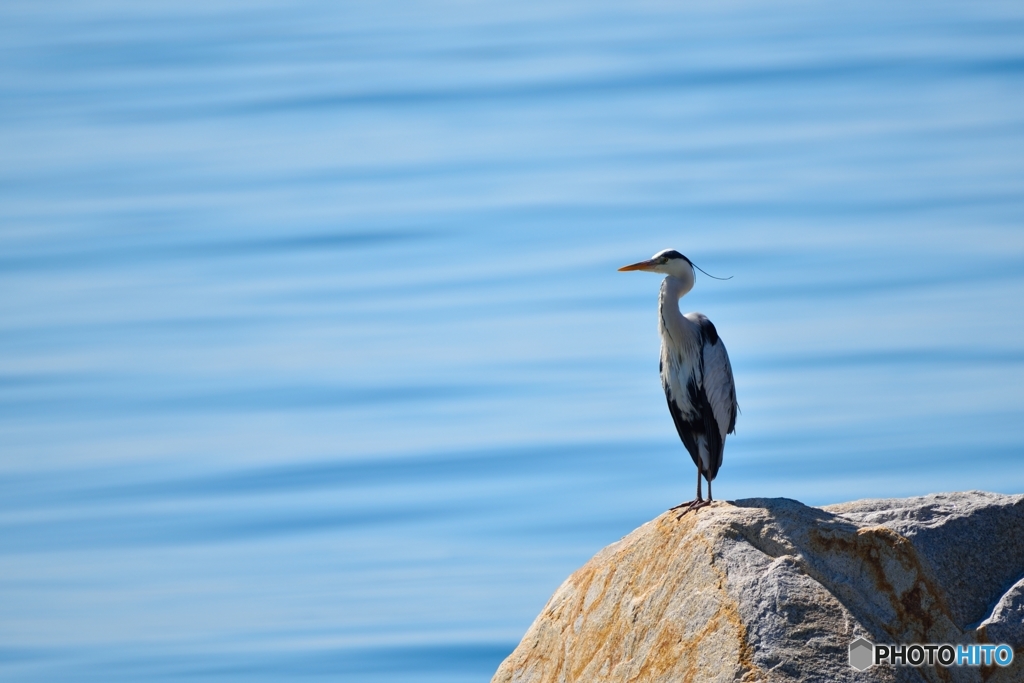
x=695, y=371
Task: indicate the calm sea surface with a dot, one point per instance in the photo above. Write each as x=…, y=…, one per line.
x=314, y=362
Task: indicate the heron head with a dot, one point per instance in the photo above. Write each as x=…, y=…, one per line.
x=667, y=261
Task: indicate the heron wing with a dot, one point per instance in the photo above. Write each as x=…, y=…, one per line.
x=718, y=382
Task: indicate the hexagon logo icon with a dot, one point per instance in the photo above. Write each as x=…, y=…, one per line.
x=862, y=653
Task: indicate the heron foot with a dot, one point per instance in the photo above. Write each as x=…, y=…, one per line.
x=691, y=505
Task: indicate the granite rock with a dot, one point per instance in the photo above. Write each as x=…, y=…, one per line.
x=769, y=589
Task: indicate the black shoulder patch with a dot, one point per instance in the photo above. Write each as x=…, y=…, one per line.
x=708, y=331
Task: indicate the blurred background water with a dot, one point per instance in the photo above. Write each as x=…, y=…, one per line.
x=314, y=363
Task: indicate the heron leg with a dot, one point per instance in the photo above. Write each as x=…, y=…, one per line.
x=697, y=502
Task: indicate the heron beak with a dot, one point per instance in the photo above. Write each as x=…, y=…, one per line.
x=642, y=265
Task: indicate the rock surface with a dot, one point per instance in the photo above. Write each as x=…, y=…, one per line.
x=774, y=590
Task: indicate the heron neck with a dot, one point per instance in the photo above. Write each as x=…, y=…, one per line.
x=673, y=289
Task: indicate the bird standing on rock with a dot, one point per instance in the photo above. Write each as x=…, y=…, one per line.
x=695, y=371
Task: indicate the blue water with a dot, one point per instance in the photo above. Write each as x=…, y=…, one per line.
x=314, y=362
